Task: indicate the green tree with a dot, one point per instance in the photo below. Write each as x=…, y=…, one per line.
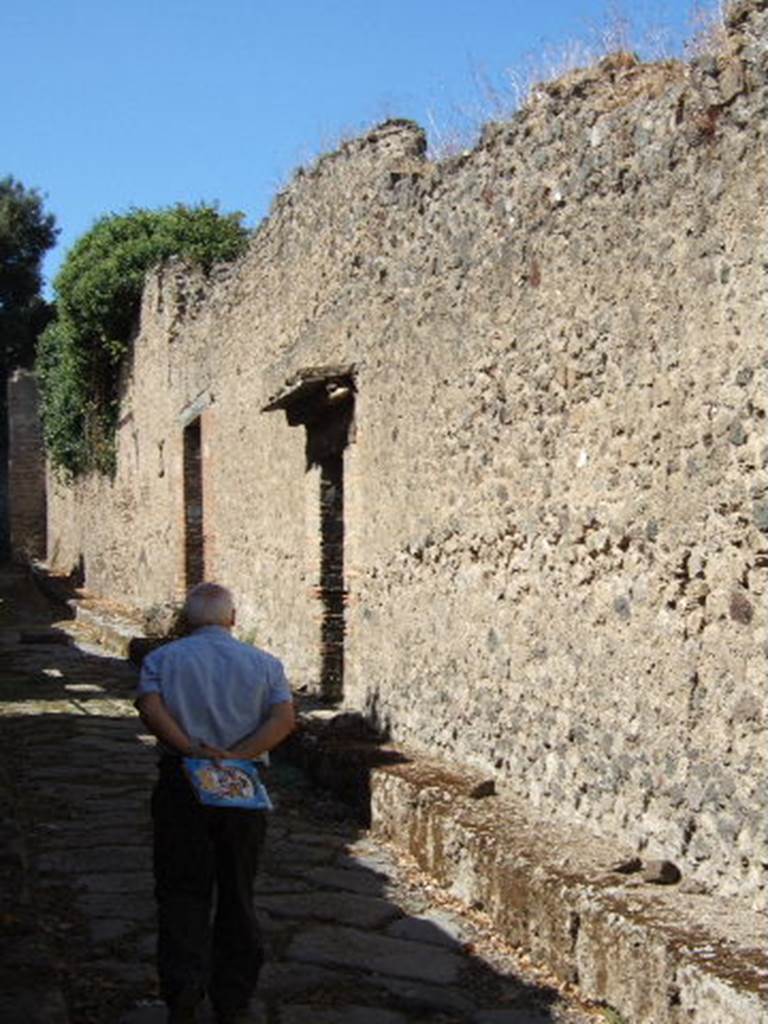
x=26, y=234
x=98, y=297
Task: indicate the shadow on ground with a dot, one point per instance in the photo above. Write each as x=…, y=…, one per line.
x=353, y=936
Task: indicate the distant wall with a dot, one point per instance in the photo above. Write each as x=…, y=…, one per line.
x=26, y=469
x=554, y=496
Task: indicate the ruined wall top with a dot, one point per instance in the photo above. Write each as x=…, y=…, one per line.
x=671, y=106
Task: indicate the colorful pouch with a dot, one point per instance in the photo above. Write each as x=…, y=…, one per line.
x=227, y=783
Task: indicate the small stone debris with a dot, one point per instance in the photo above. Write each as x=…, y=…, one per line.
x=626, y=867
x=695, y=887
x=485, y=788
x=661, y=872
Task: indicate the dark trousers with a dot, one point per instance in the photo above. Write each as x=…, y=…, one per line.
x=205, y=860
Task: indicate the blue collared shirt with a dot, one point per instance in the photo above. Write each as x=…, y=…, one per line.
x=218, y=689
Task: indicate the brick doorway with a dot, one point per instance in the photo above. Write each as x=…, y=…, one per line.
x=194, y=544
x=323, y=401
x=332, y=590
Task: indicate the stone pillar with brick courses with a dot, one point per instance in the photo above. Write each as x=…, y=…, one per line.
x=26, y=469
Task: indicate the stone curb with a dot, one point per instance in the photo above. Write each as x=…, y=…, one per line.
x=92, y=622
x=105, y=630
x=656, y=957
x=657, y=954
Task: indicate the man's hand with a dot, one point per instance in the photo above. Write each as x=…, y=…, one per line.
x=161, y=723
x=207, y=750
x=281, y=721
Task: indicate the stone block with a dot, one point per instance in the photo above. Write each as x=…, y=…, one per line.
x=348, y=948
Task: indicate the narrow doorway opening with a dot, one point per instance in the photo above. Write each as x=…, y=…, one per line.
x=323, y=401
x=332, y=587
x=194, y=546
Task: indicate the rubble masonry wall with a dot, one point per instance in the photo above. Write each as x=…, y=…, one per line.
x=556, y=505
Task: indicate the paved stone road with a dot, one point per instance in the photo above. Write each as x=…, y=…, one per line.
x=353, y=937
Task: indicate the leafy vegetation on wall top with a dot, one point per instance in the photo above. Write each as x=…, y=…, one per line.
x=98, y=295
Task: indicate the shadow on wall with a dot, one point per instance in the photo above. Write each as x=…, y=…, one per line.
x=338, y=751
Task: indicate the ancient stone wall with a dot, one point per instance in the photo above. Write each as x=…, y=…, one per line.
x=554, y=488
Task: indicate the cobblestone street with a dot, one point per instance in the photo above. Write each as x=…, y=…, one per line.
x=354, y=936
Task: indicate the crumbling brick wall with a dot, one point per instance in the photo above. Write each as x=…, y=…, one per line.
x=555, y=495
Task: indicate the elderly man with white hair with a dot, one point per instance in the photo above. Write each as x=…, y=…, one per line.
x=209, y=695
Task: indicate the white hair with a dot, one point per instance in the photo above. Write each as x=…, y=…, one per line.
x=209, y=604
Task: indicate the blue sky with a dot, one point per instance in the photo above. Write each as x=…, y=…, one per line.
x=117, y=103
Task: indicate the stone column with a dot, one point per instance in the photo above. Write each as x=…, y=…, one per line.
x=26, y=469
